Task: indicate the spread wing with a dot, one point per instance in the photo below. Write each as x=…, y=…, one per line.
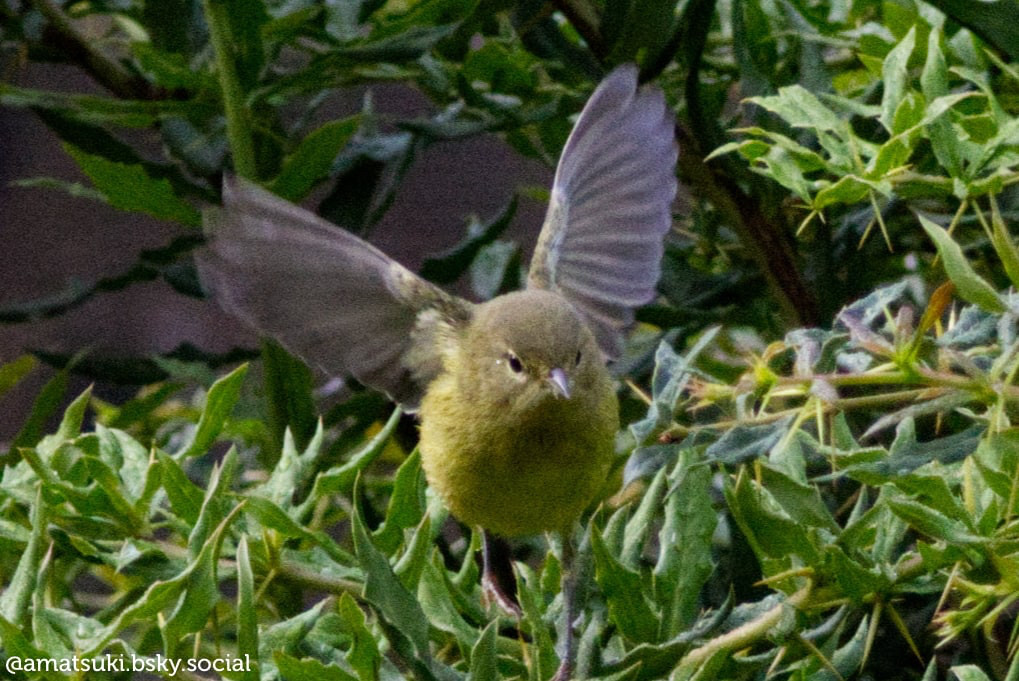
x=601, y=243
x=324, y=294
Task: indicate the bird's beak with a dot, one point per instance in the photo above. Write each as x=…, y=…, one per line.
x=560, y=383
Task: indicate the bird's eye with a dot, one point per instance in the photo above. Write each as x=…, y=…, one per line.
x=576, y=361
x=514, y=363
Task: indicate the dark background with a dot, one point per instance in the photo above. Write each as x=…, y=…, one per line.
x=51, y=238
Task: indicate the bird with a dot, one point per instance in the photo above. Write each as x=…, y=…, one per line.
x=517, y=409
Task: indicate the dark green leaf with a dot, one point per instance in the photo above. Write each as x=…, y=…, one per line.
x=406, y=505
x=742, y=443
x=313, y=158
x=129, y=187
x=387, y=595
x=219, y=403
x=624, y=594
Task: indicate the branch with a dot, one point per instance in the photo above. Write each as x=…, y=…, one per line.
x=238, y=131
x=110, y=73
x=742, y=636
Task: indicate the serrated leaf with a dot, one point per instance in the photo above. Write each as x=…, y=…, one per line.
x=185, y=497
x=406, y=504
x=745, y=442
x=363, y=654
x=624, y=595
x=17, y=595
x=685, y=561
x=798, y=500
x=969, y=672
x=219, y=403
x=771, y=533
x=386, y=594
x=933, y=523
x=341, y=478
x=855, y=580
x=12, y=373
x=1004, y=244
x=671, y=375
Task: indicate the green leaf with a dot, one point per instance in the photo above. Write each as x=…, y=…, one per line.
x=855, y=580
x=341, y=478
x=894, y=75
x=292, y=472
x=638, y=527
x=219, y=403
x=308, y=669
x=742, y=443
x=386, y=594
x=624, y=594
x=971, y=287
x=483, y=663
x=70, y=426
x=770, y=532
x=17, y=595
x=201, y=590
x=313, y=158
x=799, y=501
x=247, y=617
x=406, y=505
x=848, y=189
x=288, y=394
x=671, y=375
x=685, y=543
x=800, y=108
x=969, y=672
x=12, y=372
x=1004, y=245
x=102, y=110
x=783, y=168
x=934, y=82
x=363, y=655
x=130, y=188
x=45, y=405
x=433, y=593
x=543, y=654
x=933, y=523
x=185, y=497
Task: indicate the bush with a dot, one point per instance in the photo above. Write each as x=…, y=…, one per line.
x=821, y=474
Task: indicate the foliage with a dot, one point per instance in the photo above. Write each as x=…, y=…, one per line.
x=822, y=473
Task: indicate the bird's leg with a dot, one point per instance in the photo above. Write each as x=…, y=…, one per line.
x=498, y=585
x=568, y=585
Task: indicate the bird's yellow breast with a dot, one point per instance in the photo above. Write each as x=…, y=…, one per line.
x=517, y=472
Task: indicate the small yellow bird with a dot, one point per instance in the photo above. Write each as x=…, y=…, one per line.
x=518, y=412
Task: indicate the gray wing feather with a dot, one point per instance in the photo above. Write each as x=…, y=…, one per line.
x=601, y=243
x=326, y=295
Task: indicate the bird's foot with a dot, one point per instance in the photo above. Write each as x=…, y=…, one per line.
x=493, y=594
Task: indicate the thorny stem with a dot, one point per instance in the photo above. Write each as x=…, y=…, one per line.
x=237, y=128
x=745, y=635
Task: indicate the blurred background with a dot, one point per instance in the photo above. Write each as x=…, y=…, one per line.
x=54, y=240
